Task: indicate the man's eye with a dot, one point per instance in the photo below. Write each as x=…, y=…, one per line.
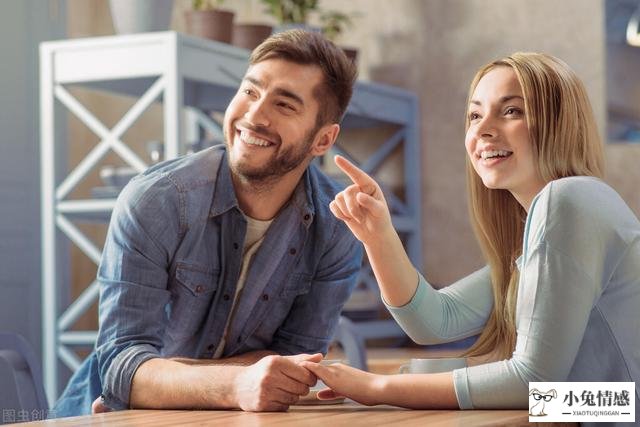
x=286, y=106
x=249, y=92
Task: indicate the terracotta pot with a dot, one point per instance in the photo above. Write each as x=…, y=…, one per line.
x=210, y=24
x=293, y=26
x=351, y=53
x=249, y=36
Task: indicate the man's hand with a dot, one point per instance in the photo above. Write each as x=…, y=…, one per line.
x=98, y=406
x=274, y=382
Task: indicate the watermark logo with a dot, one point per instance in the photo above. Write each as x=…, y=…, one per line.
x=537, y=400
x=582, y=401
x=13, y=415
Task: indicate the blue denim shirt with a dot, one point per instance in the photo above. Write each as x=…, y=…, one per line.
x=170, y=266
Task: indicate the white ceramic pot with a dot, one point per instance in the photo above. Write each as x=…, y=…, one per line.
x=140, y=16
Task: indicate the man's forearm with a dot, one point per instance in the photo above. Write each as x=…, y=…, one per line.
x=189, y=383
x=240, y=360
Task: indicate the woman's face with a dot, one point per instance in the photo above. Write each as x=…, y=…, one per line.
x=497, y=140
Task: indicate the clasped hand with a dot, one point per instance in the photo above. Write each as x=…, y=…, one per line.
x=274, y=382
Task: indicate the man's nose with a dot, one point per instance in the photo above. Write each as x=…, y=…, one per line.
x=257, y=114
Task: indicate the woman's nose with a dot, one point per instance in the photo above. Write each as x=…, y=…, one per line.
x=487, y=127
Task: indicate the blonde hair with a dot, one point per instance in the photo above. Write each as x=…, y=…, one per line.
x=565, y=143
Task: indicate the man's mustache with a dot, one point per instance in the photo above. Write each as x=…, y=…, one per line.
x=260, y=131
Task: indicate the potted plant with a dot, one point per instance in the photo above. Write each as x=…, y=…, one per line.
x=334, y=24
x=291, y=13
x=250, y=35
x=207, y=20
x=297, y=13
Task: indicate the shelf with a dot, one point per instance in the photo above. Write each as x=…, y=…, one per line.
x=188, y=75
x=129, y=64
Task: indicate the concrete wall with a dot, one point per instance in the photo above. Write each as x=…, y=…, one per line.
x=23, y=25
x=440, y=44
x=437, y=46
x=433, y=48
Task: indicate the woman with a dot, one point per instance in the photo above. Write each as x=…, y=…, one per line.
x=559, y=298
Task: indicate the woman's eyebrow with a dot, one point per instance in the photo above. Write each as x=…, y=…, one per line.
x=502, y=99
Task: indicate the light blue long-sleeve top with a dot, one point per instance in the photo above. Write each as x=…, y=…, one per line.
x=578, y=304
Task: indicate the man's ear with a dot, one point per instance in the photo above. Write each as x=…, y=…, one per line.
x=325, y=138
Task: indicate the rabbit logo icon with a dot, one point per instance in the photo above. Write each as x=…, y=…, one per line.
x=536, y=405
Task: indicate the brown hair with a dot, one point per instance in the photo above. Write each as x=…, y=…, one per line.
x=565, y=142
x=309, y=48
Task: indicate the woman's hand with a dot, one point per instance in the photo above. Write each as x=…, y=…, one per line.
x=363, y=208
x=345, y=381
x=361, y=205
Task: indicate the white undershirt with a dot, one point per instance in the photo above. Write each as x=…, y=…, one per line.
x=256, y=231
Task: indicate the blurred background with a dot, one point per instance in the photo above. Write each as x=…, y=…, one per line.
x=430, y=48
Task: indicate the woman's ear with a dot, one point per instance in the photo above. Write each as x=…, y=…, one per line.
x=325, y=138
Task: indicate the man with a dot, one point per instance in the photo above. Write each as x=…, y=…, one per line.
x=223, y=270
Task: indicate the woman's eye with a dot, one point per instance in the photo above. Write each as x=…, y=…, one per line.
x=474, y=116
x=513, y=111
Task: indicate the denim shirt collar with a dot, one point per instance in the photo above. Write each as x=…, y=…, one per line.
x=224, y=196
x=225, y=200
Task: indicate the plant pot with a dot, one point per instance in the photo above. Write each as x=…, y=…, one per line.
x=249, y=36
x=352, y=53
x=140, y=16
x=294, y=26
x=210, y=24
x=398, y=74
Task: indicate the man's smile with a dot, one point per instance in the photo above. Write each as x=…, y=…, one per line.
x=251, y=139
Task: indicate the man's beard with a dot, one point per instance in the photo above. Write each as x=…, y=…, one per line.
x=281, y=163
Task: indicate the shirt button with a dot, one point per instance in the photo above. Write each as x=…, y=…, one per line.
x=235, y=245
x=265, y=297
x=292, y=251
x=210, y=347
x=306, y=217
x=225, y=297
x=199, y=289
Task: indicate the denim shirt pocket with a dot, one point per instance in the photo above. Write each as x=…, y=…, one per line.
x=298, y=284
x=191, y=296
x=265, y=323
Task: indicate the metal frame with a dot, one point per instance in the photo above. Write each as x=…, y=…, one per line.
x=191, y=75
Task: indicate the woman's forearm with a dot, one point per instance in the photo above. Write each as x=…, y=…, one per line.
x=419, y=391
x=396, y=275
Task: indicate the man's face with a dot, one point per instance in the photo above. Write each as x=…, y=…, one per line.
x=270, y=125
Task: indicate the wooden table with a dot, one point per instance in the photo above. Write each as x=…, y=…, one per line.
x=382, y=361
x=345, y=414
